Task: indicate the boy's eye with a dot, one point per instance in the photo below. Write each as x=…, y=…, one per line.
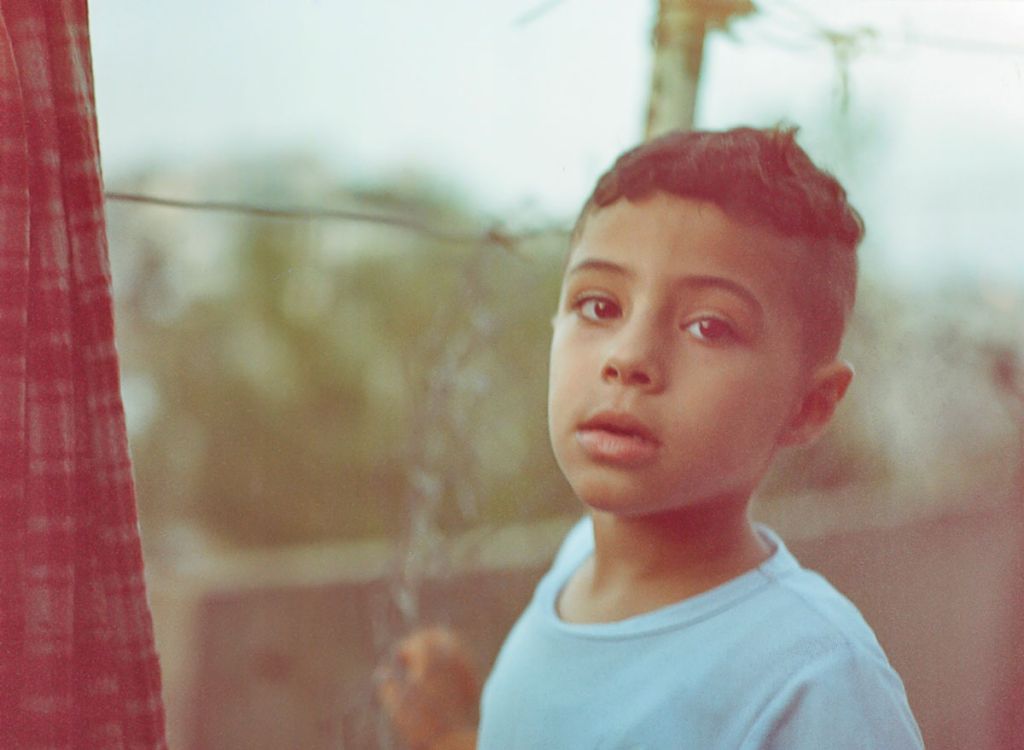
x=597, y=308
x=710, y=330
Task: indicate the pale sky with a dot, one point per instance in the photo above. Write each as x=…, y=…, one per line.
x=523, y=117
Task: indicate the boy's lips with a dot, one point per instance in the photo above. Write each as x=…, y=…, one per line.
x=617, y=438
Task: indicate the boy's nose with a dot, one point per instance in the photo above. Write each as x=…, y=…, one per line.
x=635, y=354
x=643, y=372
x=627, y=374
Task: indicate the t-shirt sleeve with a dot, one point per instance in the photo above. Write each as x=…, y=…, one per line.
x=843, y=701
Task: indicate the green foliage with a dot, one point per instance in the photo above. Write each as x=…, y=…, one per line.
x=291, y=401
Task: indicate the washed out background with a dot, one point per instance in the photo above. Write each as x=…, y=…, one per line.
x=336, y=232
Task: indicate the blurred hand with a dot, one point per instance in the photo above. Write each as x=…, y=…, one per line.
x=430, y=690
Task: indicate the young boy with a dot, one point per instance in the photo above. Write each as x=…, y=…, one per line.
x=709, y=280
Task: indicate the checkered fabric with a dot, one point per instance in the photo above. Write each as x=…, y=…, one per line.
x=78, y=667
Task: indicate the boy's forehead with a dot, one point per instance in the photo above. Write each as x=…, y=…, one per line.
x=665, y=233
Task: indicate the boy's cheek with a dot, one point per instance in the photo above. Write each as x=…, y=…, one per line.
x=561, y=354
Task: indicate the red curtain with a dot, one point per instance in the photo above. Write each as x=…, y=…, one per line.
x=78, y=667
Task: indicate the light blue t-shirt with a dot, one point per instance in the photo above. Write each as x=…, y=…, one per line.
x=775, y=659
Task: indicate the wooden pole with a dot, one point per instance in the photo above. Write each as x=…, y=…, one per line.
x=678, y=43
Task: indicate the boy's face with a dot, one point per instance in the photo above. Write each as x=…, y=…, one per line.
x=677, y=367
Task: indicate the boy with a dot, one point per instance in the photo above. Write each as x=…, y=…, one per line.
x=708, y=283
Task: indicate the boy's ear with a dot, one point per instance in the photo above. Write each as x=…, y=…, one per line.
x=828, y=385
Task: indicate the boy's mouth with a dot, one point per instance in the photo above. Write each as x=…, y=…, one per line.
x=619, y=423
x=617, y=438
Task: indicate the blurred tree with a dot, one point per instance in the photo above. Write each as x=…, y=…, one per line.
x=288, y=399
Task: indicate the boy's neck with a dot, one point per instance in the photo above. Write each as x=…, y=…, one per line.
x=643, y=563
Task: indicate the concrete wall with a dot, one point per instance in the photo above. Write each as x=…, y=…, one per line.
x=265, y=667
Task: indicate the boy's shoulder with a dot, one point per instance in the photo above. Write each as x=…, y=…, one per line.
x=808, y=598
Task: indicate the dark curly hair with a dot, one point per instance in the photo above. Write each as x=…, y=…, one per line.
x=760, y=177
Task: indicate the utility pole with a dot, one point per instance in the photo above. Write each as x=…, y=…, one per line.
x=678, y=51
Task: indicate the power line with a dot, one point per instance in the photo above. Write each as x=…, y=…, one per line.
x=400, y=222
x=965, y=45
x=773, y=31
x=537, y=12
x=817, y=30
x=494, y=235
x=798, y=12
x=845, y=42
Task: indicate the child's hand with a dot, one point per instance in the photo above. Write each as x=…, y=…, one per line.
x=430, y=690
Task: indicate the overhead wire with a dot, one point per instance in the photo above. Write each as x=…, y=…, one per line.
x=847, y=44
x=494, y=234
x=844, y=43
x=957, y=44
x=817, y=30
x=537, y=12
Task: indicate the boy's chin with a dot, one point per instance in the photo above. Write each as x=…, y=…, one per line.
x=626, y=504
x=633, y=506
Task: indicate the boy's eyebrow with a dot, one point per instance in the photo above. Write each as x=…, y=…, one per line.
x=596, y=264
x=693, y=282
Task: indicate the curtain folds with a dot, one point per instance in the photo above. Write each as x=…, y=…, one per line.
x=78, y=667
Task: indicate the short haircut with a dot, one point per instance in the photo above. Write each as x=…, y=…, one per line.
x=759, y=177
